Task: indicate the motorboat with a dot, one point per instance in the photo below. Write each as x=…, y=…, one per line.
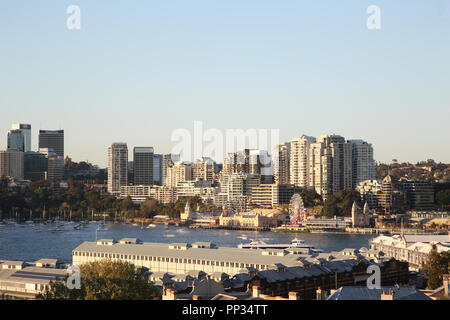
x=295, y=244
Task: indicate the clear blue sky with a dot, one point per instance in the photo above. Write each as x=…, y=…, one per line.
x=139, y=69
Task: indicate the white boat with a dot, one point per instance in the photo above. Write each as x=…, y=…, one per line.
x=151, y=225
x=102, y=228
x=295, y=244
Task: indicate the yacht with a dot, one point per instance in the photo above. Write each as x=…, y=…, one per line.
x=295, y=244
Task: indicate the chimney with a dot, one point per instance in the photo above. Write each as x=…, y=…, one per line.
x=446, y=282
x=321, y=294
x=256, y=291
x=169, y=294
x=294, y=296
x=388, y=296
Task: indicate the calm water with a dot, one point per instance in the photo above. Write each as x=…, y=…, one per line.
x=24, y=243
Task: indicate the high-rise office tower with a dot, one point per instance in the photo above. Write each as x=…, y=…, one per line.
x=55, y=164
x=16, y=140
x=157, y=169
x=117, y=167
x=362, y=162
x=52, y=139
x=26, y=131
x=143, y=165
x=12, y=164
x=35, y=166
x=330, y=165
x=300, y=169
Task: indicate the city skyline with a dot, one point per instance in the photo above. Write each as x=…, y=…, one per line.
x=103, y=163
x=303, y=68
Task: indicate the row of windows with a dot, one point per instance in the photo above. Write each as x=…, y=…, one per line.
x=173, y=260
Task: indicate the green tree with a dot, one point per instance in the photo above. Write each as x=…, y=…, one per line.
x=340, y=203
x=106, y=280
x=57, y=290
x=148, y=207
x=310, y=198
x=443, y=197
x=436, y=266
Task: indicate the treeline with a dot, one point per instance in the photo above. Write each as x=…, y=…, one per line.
x=80, y=202
x=340, y=204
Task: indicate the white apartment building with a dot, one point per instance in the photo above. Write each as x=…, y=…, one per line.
x=179, y=172
x=204, y=169
x=330, y=165
x=117, y=167
x=139, y=193
x=363, y=165
x=201, y=189
x=300, y=169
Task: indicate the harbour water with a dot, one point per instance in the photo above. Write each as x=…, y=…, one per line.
x=27, y=242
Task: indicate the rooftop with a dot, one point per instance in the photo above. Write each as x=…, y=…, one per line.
x=364, y=293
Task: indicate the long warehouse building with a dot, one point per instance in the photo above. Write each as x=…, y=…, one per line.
x=180, y=258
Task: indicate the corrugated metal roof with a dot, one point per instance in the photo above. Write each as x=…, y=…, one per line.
x=364, y=293
x=225, y=254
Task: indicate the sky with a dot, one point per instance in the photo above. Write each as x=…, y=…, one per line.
x=136, y=71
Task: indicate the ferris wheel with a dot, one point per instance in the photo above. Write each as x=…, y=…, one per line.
x=296, y=209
